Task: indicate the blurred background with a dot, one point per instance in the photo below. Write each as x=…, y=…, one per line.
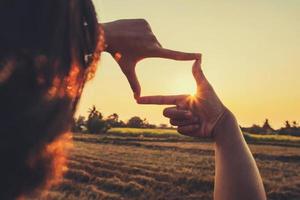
x=250, y=55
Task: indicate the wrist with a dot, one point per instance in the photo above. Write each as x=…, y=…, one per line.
x=226, y=129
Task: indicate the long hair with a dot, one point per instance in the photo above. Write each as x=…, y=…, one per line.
x=48, y=49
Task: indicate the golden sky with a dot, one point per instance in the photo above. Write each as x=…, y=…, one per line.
x=250, y=55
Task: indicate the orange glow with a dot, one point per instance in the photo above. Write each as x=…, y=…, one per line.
x=72, y=81
x=54, y=88
x=191, y=100
x=55, y=154
x=6, y=71
x=58, y=150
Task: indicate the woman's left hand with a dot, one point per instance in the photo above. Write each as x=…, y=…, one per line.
x=132, y=40
x=197, y=115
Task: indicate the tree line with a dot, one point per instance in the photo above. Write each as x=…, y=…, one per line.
x=288, y=129
x=97, y=123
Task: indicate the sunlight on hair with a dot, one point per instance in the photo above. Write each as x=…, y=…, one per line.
x=53, y=89
x=6, y=71
x=59, y=148
x=72, y=80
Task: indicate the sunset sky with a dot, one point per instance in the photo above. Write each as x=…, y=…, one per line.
x=250, y=55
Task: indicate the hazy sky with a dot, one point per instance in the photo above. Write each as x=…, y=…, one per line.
x=250, y=55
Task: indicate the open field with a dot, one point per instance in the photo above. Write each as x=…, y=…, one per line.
x=171, y=134
x=163, y=166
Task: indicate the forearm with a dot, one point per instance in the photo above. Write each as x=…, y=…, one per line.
x=237, y=176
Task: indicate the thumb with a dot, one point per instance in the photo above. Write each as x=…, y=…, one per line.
x=128, y=68
x=134, y=83
x=198, y=73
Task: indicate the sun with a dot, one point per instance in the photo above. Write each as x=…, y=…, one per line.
x=184, y=85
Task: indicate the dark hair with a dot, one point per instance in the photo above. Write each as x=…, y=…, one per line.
x=48, y=49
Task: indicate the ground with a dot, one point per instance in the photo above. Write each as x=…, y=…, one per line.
x=163, y=166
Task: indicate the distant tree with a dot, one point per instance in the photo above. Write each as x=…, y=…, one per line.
x=135, y=122
x=151, y=126
x=163, y=126
x=287, y=124
x=79, y=124
x=295, y=124
x=267, y=128
x=290, y=130
x=254, y=129
x=122, y=124
x=94, y=112
x=113, y=120
x=114, y=117
x=95, y=122
x=146, y=124
x=266, y=125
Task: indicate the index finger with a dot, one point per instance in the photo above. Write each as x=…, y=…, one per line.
x=175, y=55
x=162, y=100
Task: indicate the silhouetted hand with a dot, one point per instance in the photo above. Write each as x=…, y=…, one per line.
x=132, y=40
x=194, y=115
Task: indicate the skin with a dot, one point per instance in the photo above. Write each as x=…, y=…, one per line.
x=131, y=40
x=203, y=115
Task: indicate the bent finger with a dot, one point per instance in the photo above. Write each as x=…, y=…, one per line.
x=184, y=122
x=189, y=130
x=162, y=100
x=174, y=112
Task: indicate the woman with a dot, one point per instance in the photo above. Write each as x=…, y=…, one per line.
x=48, y=50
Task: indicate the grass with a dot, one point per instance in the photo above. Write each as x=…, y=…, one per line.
x=147, y=164
x=172, y=135
x=283, y=140
x=274, y=137
x=144, y=132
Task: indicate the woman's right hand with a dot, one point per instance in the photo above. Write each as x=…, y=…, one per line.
x=196, y=115
x=131, y=40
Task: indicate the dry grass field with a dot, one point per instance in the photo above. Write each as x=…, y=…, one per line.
x=163, y=166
